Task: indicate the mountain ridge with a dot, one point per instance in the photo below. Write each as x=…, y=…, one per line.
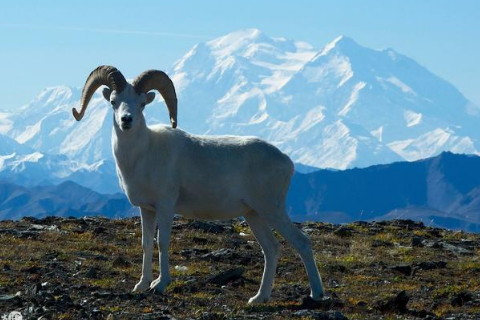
x=442, y=191
x=439, y=191
x=339, y=107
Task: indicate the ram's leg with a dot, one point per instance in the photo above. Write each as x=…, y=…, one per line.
x=165, y=218
x=302, y=244
x=148, y=230
x=270, y=248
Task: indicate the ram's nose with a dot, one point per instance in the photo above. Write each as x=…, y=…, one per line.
x=126, y=121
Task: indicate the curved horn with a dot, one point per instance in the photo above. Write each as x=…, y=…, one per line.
x=102, y=76
x=158, y=80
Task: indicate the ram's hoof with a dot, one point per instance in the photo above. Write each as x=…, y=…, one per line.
x=257, y=299
x=159, y=285
x=141, y=286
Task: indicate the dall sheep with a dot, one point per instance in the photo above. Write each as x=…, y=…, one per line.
x=165, y=171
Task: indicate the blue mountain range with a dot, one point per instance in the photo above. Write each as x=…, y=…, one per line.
x=441, y=191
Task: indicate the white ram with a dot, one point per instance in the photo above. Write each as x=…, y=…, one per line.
x=166, y=171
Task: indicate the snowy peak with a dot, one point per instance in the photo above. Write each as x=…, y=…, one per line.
x=237, y=42
x=342, y=44
x=343, y=106
x=249, y=53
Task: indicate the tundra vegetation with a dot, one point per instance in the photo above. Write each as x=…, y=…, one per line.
x=85, y=268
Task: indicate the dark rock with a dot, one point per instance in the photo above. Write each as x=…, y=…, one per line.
x=31, y=219
x=103, y=294
x=417, y=242
x=337, y=268
x=20, y=233
x=188, y=253
x=326, y=303
x=220, y=255
x=430, y=265
x=343, y=232
x=120, y=262
x=50, y=255
x=210, y=316
x=9, y=231
x=423, y=314
x=236, y=242
x=332, y=283
x=408, y=224
x=199, y=240
x=361, y=223
x=329, y=315
x=461, y=298
x=207, y=226
x=395, y=304
x=435, y=232
x=28, y=234
x=34, y=289
x=228, y=255
x=362, y=304
x=304, y=313
x=225, y=277
x=33, y=269
x=323, y=315
x=403, y=269
x=99, y=230
x=89, y=255
x=65, y=300
x=92, y=273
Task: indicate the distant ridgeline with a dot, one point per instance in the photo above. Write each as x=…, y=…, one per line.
x=442, y=191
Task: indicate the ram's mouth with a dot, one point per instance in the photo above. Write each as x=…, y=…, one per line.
x=125, y=126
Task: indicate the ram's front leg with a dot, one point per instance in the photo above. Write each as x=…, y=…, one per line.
x=148, y=230
x=164, y=220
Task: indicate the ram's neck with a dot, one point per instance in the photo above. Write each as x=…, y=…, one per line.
x=130, y=147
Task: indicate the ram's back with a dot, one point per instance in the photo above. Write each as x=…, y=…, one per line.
x=223, y=176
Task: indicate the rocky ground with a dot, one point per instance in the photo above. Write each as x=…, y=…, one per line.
x=57, y=268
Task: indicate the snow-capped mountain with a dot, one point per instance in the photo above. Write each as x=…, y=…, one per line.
x=339, y=107
x=24, y=166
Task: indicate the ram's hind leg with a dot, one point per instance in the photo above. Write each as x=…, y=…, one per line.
x=270, y=248
x=301, y=243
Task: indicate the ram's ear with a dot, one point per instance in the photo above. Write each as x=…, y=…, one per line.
x=150, y=97
x=106, y=93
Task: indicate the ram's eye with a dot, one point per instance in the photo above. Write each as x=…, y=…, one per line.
x=113, y=102
x=142, y=104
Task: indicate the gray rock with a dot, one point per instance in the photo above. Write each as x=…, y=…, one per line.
x=207, y=226
x=225, y=277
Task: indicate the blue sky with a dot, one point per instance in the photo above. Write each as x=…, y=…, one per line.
x=47, y=43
